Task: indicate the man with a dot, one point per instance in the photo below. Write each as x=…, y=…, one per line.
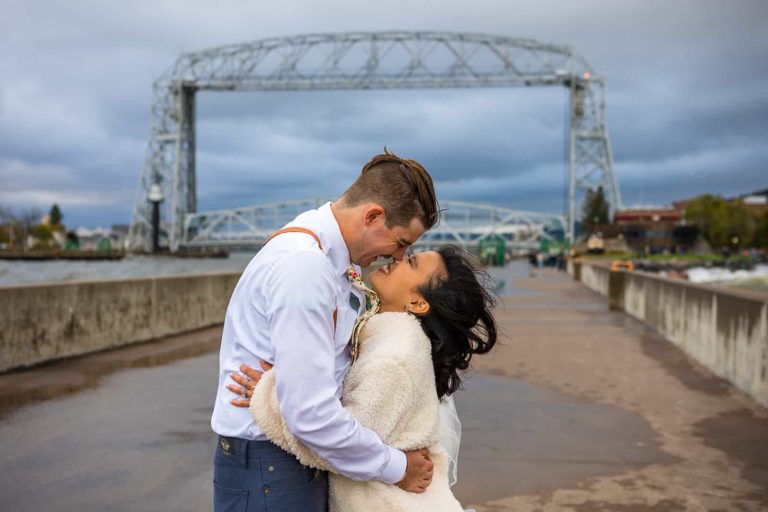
x=294, y=307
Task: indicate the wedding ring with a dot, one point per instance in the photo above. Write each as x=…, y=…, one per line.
x=244, y=394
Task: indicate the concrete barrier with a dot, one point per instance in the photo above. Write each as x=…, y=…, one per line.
x=596, y=277
x=724, y=330
x=45, y=322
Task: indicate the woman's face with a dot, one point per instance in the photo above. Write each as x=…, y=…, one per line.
x=397, y=283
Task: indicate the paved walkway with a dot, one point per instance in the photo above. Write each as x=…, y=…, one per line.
x=664, y=434
x=580, y=409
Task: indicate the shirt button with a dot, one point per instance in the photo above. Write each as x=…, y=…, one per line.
x=266, y=490
x=271, y=468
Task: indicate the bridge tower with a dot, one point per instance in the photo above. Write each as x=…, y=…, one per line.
x=377, y=60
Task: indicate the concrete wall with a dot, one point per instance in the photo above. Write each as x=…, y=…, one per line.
x=724, y=330
x=595, y=277
x=41, y=323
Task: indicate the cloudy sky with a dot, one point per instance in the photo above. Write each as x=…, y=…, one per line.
x=687, y=102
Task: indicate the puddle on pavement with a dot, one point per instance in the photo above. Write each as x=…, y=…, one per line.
x=743, y=437
x=524, y=439
x=680, y=366
x=663, y=505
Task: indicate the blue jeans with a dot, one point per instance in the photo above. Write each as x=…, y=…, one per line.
x=259, y=476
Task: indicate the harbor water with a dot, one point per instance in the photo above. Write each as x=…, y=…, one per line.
x=14, y=272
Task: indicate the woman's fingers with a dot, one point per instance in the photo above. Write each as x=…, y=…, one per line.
x=240, y=403
x=238, y=390
x=250, y=372
x=244, y=381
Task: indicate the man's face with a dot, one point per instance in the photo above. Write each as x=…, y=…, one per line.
x=380, y=241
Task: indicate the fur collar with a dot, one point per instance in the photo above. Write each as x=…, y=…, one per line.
x=381, y=324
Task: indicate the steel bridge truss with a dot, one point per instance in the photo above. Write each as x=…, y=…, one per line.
x=462, y=224
x=381, y=60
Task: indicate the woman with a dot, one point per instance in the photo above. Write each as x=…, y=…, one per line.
x=433, y=315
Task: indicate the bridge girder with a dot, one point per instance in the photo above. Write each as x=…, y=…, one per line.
x=378, y=60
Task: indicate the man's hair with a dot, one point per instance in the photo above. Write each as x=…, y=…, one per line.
x=401, y=186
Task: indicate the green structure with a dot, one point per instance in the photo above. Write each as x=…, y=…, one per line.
x=493, y=251
x=104, y=245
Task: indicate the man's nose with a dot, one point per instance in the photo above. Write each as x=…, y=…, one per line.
x=399, y=254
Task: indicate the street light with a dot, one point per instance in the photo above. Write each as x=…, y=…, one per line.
x=155, y=196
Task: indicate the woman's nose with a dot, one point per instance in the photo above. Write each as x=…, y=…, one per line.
x=399, y=254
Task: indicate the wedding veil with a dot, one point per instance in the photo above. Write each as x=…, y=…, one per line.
x=450, y=435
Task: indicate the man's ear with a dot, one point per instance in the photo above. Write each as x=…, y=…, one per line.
x=373, y=213
x=418, y=306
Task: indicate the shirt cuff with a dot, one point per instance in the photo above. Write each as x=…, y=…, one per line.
x=394, y=471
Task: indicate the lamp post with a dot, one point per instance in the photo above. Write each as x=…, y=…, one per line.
x=155, y=196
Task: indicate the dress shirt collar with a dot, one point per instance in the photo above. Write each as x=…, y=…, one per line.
x=333, y=242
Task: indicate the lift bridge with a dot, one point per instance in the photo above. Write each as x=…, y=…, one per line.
x=463, y=224
x=167, y=194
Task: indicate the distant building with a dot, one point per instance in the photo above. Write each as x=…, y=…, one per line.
x=656, y=229
x=101, y=238
x=646, y=214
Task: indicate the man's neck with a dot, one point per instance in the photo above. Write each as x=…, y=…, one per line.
x=343, y=219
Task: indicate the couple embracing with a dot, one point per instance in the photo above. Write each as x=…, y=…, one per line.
x=330, y=393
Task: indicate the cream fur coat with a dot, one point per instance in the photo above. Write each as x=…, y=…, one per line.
x=391, y=390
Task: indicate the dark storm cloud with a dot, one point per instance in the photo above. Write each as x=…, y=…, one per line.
x=455, y=133
x=686, y=103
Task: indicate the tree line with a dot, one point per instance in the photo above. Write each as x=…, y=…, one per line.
x=15, y=229
x=728, y=223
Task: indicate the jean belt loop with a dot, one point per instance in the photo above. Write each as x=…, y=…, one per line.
x=243, y=452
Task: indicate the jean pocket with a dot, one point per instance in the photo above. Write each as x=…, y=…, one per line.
x=310, y=497
x=287, y=473
x=229, y=500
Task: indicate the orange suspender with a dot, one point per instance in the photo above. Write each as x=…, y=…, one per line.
x=317, y=239
x=297, y=230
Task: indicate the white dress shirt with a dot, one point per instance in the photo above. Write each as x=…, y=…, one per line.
x=281, y=312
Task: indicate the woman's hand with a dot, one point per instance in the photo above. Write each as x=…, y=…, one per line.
x=246, y=384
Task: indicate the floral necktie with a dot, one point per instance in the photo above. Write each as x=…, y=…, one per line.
x=371, y=308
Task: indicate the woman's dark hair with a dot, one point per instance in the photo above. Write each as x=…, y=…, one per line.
x=459, y=322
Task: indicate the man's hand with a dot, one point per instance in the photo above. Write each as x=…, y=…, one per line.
x=247, y=383
x=418, y=472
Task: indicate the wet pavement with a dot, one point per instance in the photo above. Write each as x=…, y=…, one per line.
x=139, y=441
x=706, y=442
x=517, y=437
x=579, y=409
